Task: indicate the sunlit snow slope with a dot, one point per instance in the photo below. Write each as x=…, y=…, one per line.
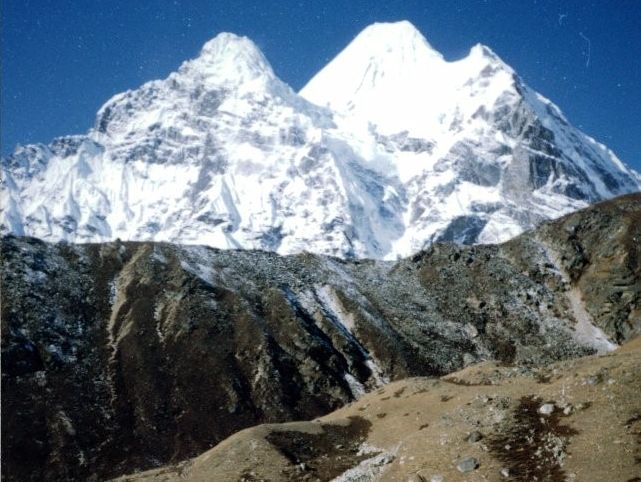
x=389, y=148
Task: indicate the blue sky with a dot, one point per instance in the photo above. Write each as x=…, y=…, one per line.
x=62, y=59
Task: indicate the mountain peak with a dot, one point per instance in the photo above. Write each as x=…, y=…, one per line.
x=400, y=28
x=413, y=149
x=487, y=55
x=230, y=56
x=484, y=51
x=393, y=38
x=225, y=44
x=384, y=61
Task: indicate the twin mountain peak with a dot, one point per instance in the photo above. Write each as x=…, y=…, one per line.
x=388, y=149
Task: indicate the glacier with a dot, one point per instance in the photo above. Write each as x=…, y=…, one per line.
x=389, y=148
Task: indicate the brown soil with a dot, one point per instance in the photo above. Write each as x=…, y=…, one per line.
x=592, y=434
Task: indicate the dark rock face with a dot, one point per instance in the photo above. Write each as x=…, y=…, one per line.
x=538, y=160
x=463, y=230
x=122, y=356
x=600, y=249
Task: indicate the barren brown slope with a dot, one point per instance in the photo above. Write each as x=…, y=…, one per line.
x=573, y=420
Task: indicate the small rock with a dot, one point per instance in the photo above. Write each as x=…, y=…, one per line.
x=468, y=464
x=415, y=478
x=385, y=459
x=568, y=410
x=593, y=380
x=437, y=478
x=41, y=379
x=505, y=472
x=471, y=330
x=468, y=359
x=474, y=437
x=546, y=409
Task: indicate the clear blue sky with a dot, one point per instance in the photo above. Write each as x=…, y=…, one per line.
x=61, y=59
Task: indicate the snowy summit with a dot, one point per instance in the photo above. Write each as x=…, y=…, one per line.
x=387, y=149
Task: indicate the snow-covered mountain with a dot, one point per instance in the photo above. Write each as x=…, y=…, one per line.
x=387, y=149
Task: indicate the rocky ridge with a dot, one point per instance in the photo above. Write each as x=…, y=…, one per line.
x=124, y=356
